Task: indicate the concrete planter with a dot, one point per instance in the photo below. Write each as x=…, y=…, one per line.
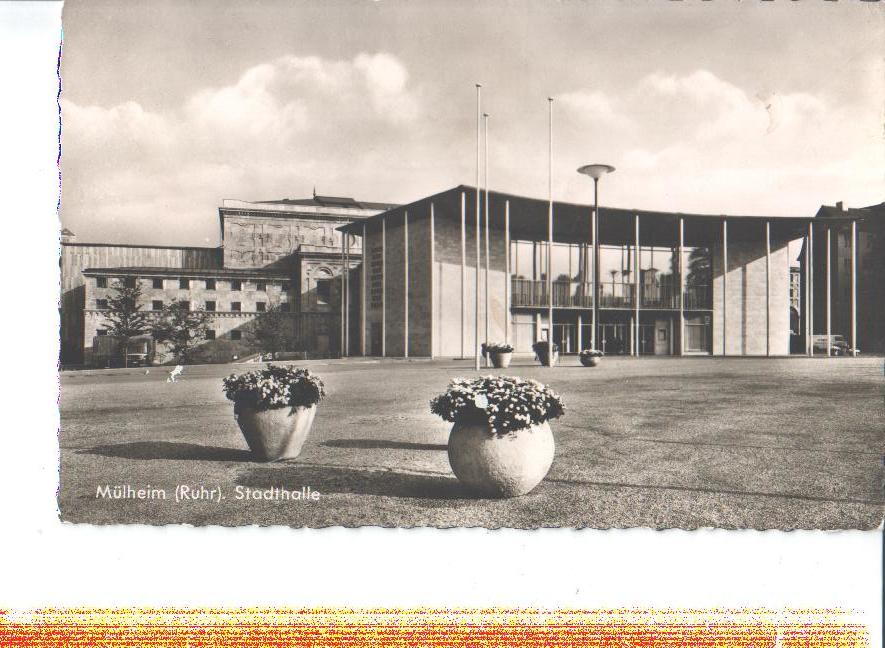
x=589, y=361
x=544, y=357
x=501, y=360
x=275, y=434
x=500, y=466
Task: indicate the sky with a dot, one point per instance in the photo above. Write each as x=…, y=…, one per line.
x=767, y=108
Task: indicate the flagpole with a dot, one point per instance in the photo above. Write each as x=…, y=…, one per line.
x=486, y=208
x=550, y=238
x=476, y=292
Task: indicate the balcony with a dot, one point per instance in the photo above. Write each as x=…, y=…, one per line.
x=612, y=294
x=566, y=294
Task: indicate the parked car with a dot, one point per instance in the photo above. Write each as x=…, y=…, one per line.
x=835, y=343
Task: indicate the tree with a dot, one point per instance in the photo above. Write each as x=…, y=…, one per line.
x=273, y=331
x=125, y=318
x=181, y=328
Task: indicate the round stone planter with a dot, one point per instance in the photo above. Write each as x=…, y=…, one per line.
x=501, y=360
x=589, y=361
x=500, y=466
x=274, y=434
x=544, y=357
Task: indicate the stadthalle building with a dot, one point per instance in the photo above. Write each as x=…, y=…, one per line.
x=629, y=282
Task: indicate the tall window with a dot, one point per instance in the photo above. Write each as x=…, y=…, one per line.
x=210, y=284
x=236, y=284
x=158, y=283
x=261, y=307
x=101, y=282
x=185, y=305
x=210, y=306
x=236, y=335
x=260, y=285
x=157, y=305
x=210, y=334
x=184, y=284
x=129, y=282
x=101, y=304
x=235, y=306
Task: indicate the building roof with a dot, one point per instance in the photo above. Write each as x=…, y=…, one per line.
x=838, y=211
x=329, y=201
x=236, y=273
x=528, y=217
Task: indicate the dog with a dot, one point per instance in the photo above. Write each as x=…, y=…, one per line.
x=175, y=373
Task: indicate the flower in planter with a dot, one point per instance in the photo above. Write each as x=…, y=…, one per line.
x=505, y=403
x=541, y=347
x=496, y=347
x=275, y=387
x=591, y=353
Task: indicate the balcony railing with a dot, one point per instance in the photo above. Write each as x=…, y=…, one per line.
x=566, y=294
x=612, y=294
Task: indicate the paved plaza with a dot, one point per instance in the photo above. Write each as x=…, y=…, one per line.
x=695, y=442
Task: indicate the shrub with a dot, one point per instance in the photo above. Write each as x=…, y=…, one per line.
x=274, y=387
x=496, y=347
x=591, y=353
x=541, y=346
x=504, y=403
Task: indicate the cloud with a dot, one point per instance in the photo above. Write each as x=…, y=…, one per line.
x=280, y=123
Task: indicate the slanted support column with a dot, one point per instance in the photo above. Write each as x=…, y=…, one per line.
x=724, y=287
x=636, y=287
x=854, y=286
x=433, y=288
x=383, y=287
x=829, y=298
x=363, y=305
x=681, y=265
x=807, y=293
x=768, y=288
x=341, y=349
x=346, y=294
x=580, y=341
x=594, y=231
x=810, y=260
x=406, y=284
x=507, y=274
x=463, y=272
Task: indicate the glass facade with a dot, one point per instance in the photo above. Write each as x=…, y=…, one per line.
x=656, y=288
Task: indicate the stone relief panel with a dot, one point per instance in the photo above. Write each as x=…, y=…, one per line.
x=254, y=242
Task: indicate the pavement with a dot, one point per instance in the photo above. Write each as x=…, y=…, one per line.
x=787, y=443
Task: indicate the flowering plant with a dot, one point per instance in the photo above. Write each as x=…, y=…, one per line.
x=591, y=353
x=496, y=347
x=541, y=346
x=274, y=387
x=504, y=403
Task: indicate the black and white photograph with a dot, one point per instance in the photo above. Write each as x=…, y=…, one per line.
x=578, y=264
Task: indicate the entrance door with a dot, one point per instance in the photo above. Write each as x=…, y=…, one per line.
x=614, y=339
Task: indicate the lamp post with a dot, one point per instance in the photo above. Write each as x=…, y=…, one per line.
x=595, y=171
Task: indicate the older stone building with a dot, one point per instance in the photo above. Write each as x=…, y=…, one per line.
x=282, y=255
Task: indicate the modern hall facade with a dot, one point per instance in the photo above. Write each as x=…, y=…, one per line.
x=651, y=283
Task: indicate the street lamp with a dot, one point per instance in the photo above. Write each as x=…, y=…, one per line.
x=595, y=171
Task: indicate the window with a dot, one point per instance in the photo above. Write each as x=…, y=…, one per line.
x=101, y=332
x=260, y=285
x=101, y=304
x=185, y=305
x=157, y=304
x=236, y=335
x=236, y=284
x=324, y=287
x=210, y=284
x=210, y=306
x=184, y=284
x=235, y=306
x=210, y=334
x=158, y=283
x=101, y=282
x=129, y=282
x=261, y=307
